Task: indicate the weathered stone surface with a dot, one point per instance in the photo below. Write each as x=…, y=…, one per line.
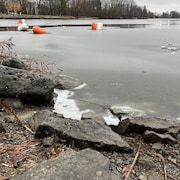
x=150, y=175
x=84, y=134
x=39, y=118
x=28, y=86
x=157, y=146
x=14, y=103
x=14, y=62
x=140, y=124
x=151, y=136
x=146, y=164
x=70, y=165
x=48, y=141
x=123, y=112
x=92, y=115
x=66, y=82
x=121, y=127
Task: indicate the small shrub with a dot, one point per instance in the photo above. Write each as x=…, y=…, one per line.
x=6, y=49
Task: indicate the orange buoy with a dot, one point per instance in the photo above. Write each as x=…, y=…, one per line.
x=38, y=30
x=20, y=21
x=93, y=26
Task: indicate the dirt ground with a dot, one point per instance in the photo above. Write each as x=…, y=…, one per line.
x=19, y=151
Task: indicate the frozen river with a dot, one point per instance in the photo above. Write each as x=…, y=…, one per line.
x=137, y=67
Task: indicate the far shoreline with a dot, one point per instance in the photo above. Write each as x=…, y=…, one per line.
x=3, y=16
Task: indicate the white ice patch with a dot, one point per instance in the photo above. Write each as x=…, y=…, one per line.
x=178, y=118
x=110, y=119
x=126, y=110
x=81, y=86
x=67, y=107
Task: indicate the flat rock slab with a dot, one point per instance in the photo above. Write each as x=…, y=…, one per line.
x=84, y=165
x=14, y=62
x=151, y=136
x=66, y=82
x=84, y=134
x=28, y=86
x=140, y=124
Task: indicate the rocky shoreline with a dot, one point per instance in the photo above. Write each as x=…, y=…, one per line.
x=73, y=149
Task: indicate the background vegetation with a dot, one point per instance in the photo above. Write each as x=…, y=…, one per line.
x=81, y=8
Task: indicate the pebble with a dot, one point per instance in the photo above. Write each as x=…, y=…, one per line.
x=126, y=162
x=99, y=173
x=173, y=160
x=142, y=177
x=14, y=103
x=176, y=152
x=146, y=164
x=8, y=120
x=119, y=161
x=48, y=141
x=157, y=146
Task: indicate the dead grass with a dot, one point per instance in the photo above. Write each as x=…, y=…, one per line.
x=6, y=49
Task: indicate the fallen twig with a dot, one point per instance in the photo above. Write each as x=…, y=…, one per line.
x=6, y=48
x=135, y=159
x=164, y=165
x=168, y=175
x=6, y=107
x=3, y=178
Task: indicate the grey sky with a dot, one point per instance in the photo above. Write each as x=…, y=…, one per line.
x=160, y=6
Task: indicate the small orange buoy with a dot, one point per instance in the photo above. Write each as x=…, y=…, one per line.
x=20, y=21
x=93, y=26
x=38, y=30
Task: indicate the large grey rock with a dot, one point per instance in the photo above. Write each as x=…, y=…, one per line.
x=153, y=137
x=14, y=62
x=38, y=118
x=92, y=115
x=70, y=165
x=123, y=112
x=28, y=86
x=84, y=134
x=121, y=127
x=140, y=124
x=66, y=82
x=14, y=103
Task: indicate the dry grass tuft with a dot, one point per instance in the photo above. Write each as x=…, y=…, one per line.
x=6, y=49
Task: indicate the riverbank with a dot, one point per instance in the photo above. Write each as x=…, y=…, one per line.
x=38, y=143
x=23, y=155
x=25, y=16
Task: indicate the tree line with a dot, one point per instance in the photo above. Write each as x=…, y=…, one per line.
x=77, y=8
x=172, y=14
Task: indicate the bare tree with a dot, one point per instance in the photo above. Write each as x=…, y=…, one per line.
x=79, y=8
x=2, y=6
x=38, y=6
x=13, y=6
